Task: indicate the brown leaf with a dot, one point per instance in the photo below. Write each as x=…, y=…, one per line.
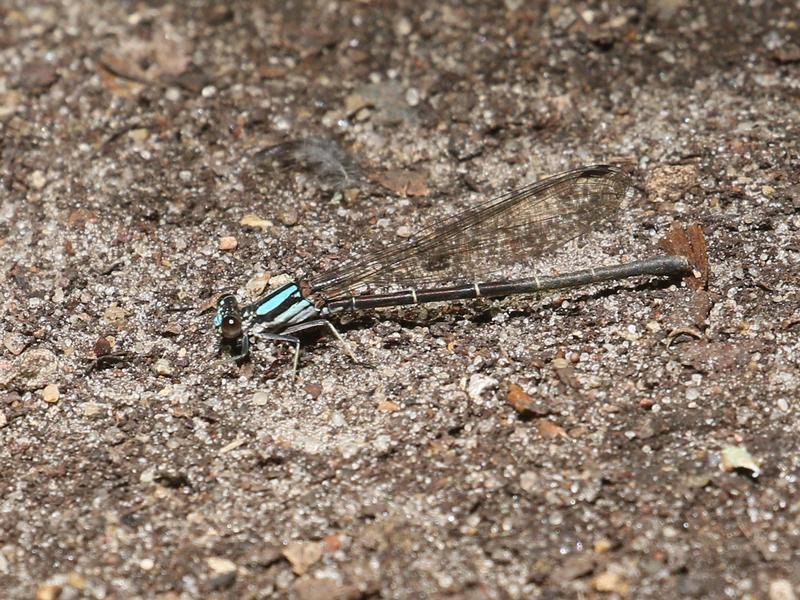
x=519, y=400
x=123, y=67
x=548, y=429
x=691, y=243
x=525, y=405
x=102, y=346
x=81, y=216
x=37, y=77
x=272, y=71
x=404, y=183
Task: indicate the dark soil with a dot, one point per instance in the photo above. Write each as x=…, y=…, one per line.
x=633, y=439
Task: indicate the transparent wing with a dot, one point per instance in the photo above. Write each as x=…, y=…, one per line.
x=515, y=229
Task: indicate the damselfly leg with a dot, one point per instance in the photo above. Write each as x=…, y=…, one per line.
x=288, y=335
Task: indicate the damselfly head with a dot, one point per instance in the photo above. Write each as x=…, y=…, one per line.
x=228, y=319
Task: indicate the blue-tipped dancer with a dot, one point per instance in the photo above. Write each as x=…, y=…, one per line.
x=461, y=258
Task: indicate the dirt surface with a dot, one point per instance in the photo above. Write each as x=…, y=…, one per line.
x=633, y=439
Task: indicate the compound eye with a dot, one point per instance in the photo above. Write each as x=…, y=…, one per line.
x=231, y=327
x=228, y=320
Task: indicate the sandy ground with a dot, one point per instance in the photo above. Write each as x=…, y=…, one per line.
x=634, y=439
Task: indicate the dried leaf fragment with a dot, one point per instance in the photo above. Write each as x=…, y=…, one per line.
x=404, y=183
x=548, y=429
x=691, y=243
x=520, y=400
x=738, y=457
x=256, y=222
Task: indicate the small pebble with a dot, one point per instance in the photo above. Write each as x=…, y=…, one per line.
x=228, y=243
x=48, y=592
x=301, y=555
x=173, y=94
x=37, y=180
x=38, y=77
x=781, y=589
x=602, y=545
x=479, y=384
x=9, y=103
x=402, y=26
x=222, y=581
x=671, y=182
x=50, y=393
x=91, y=409
x=257, y=283
x=31, y=370
x=528, y=480
x=387, y=406
x=354, y=103
x=260, y=398
x=412, y=96
x=14, y=343
x=139, y=135
x=653, y=326
x=3, y=419
x=76, y=580
x=288, y=217
x=363, y=114
x=280, y=280
x=147, y=564
x=282, y=123
x=115, y=315
x=163, y=367
x=220, y=565
x=382, y=444
x=611, y=582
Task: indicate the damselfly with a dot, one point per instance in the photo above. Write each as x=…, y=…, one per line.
x=460, y=258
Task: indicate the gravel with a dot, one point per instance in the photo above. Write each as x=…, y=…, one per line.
x=650, y=446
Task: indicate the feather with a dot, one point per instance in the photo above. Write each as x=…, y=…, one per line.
x=322, y=159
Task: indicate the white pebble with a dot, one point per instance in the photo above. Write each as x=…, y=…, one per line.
x=412, y=96
x=478, y=384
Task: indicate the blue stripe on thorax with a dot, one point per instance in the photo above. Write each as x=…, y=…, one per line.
x=276, y=298
x=284, y=307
